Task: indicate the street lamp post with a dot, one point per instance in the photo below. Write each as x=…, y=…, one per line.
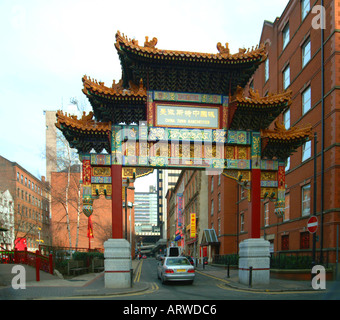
x=130, y=205
x=127, y=186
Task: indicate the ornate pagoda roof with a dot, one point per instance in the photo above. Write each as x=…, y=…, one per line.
x=85, y=133
x=255, y=112
x=116, y=103
x=281, y=142
x=184, y=71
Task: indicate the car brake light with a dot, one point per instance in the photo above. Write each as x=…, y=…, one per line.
x=169, y=271
x=191, y=271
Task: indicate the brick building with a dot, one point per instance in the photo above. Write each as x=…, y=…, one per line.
x=293, y=42
x=223, y=213
x=189, y=195
x=31, y=203
x=101, y=218
x=6, y=221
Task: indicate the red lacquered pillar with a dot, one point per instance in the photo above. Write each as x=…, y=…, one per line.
x=255, y=191
x=255, y=216
x=117, y=202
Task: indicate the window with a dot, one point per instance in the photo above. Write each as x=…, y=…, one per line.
x=285, y=242
x=219, y=179
x=285, y=36
x=306, y=100
x=287, y=164
x=287, y=202
x=306, y=55
x=306, y=150
x=18, y=176
x=286, y=78
x=305, y=7
x=219, y=227
x=212, y=183
x=212, y=207
x=242, y=222
x=266, y=70
x=286, y=119
x=304, y=240
x=306, y=200
x=266, y=214
x=243, y=193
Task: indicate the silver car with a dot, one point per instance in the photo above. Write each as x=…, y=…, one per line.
x=175, y=269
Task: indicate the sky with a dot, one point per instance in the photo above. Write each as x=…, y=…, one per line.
x=47, y=46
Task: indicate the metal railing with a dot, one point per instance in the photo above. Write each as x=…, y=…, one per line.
x=298, y=259
x=33, y=259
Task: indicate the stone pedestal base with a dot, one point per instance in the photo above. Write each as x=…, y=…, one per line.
x=254, y=253
x=117, y=263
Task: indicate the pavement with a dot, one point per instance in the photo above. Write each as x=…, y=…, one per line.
x=92, y=284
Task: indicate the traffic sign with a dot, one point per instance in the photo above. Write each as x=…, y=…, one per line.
x=312, y=224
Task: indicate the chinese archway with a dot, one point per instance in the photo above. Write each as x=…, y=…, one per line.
x=178, y=109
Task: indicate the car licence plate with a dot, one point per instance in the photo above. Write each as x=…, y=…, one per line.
x=181, y=270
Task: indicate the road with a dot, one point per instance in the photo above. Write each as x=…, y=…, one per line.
x=204, y=288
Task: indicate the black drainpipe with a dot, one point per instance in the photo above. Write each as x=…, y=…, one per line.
x=322, y=131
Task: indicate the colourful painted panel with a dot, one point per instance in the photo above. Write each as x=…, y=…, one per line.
x=101, y=188
x=238, y=137
x=100, y=159
x=269, y=165
x=256, y=150
x=101, y=180
x=86, y=172
x=188, y=116
x=187, y=97
x=238, y=164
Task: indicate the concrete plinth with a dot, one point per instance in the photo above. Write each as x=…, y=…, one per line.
x=117, y=263
x=254, y=253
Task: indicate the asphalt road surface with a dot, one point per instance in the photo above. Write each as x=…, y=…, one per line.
x=206, y=288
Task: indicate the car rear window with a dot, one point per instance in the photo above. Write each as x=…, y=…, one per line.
x=177, y=262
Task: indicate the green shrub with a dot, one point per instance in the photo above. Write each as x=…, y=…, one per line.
x=87, y=255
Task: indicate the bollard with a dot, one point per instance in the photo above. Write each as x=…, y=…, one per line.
x=250, y=276
x=37, y=265
x=228, y=274
x=50, y=262
x=131, y=277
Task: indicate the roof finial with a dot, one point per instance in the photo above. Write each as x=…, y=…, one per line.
x=222, y=49
x=150, y=44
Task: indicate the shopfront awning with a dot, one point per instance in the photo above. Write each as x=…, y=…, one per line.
x=178, y=237
x=209, y=237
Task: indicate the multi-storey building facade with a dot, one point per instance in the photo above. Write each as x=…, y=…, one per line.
x=189, y=195
x=166, y=179
x=296, y=47
x=223, y=214
x=145, y=207
x=303, y=56
x=6, y=221
x=31, y=203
